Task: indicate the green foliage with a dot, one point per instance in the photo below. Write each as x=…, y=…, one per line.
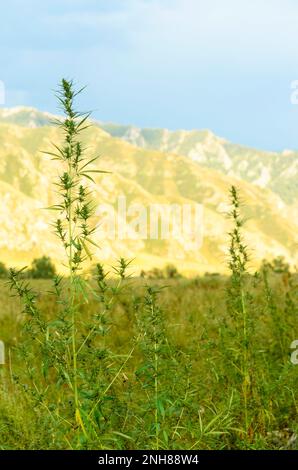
x=3, y=271
x=154, y=372
x=42, y=268
x=277, y=265
x=169, y=272
x=239, y=307
x=199, y=388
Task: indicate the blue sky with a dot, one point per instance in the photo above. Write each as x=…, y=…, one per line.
x=226, y=65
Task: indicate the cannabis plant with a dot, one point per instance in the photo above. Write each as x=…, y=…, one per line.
x=155, y=369
x=61, y=346
x=240, y=329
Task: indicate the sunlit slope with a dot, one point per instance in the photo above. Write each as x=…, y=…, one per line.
x=272, y=170
x=143, y=176
x=277, y=171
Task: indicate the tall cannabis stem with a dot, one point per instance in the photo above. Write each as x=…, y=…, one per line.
x=155, y=377
x=237, y=297
x=155, y=349
x=75, y=208
x=71, y=278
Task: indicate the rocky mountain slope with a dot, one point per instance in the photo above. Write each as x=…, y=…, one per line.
x=156, y=170
x=272, y=170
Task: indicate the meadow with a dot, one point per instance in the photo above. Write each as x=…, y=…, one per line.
x=199, y=403
x=102, y=359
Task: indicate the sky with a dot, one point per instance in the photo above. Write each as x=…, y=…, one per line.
x=225, y=65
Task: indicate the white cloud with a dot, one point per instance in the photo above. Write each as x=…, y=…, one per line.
x=196, y=26
x=190, y=29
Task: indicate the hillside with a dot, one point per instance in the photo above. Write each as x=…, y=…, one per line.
x=272, y=170
x=145, y=176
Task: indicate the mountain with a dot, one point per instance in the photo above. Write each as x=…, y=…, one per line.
x=272, y=170
x=25, y=116
x=145, y=176
x=277, y=171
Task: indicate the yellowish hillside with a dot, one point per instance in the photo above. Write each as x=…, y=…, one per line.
x=146, y=177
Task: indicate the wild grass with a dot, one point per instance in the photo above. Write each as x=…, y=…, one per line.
x=116, y=362
x=200, y=392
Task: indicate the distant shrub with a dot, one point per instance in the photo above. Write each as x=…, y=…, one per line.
x=277, y=265
x=155, y=273
x=209, y=281
x=169, y=272
x=3, y=271
x=42, y=268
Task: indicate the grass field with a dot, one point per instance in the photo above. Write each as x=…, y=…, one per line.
x=164, y=371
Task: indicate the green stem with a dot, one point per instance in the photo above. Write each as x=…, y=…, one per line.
x=95, y=326
x=245, y=360
x=72, y=292
x=113, y=380
x=155, y=380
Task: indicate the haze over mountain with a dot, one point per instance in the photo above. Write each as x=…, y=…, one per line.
x=149, y=166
